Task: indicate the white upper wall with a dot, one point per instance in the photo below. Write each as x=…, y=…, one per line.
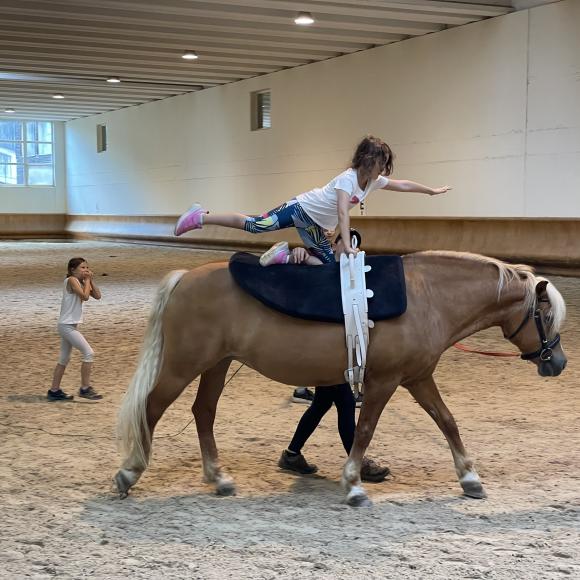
x=40, y=199
x=553, y=148
x=456, y=107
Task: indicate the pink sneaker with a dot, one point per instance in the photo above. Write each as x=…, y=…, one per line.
x=277, y=254
x=192, y=219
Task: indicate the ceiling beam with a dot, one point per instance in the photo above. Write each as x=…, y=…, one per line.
x=153, y=32
x=126, y=77
x=173, y=57
x=144, y=47
x=484, y=9
x=248, y=26
x=354, y=9
x=124, y=71
x=97, y=84
x=153, y=35
x=176, y=64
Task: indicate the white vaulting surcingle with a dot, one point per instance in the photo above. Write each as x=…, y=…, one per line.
x=356, y=322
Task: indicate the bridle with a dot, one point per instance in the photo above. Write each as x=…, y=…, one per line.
x=545, y=351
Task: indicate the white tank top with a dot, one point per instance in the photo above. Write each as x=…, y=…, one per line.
x=71, y=307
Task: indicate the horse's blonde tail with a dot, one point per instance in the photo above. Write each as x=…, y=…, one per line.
x=132, y=427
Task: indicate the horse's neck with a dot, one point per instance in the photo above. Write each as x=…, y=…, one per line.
x=459, y=295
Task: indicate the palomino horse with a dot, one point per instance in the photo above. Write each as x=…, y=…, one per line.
x=201, y=321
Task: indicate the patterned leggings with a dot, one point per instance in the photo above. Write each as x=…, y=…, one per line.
x=291, y=214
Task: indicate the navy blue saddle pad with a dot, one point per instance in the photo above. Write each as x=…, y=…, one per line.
x=313, y=292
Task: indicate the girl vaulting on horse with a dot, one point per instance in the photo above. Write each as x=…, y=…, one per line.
x=321, y=208
x=201, y=321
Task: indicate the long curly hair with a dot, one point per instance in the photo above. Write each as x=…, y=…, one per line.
x=370, y=151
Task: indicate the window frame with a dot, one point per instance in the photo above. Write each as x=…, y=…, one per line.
x=257, y=118
x=24, y=141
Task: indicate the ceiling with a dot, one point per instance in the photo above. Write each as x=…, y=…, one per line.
x=70, y=47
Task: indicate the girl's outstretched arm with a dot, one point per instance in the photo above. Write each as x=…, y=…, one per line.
x=411, y=187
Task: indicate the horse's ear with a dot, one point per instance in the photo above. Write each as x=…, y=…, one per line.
x=541, y=287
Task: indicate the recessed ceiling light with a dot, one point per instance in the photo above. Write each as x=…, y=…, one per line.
x=113, y=80
x=189, y=55
x=58, y=96
x=304, y=18
x=9, y=111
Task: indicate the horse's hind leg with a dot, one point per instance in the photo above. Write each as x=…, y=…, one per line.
x=168, y=387
x=425, y=392
x=204, y=408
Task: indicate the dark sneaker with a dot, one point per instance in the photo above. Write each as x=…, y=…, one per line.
x=372, y=471
x=296, y=463
x=59, y=395
x=358, y=400
x=302, y=395
x=89, y=393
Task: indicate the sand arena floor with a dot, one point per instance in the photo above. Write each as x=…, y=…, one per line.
x=60, y=519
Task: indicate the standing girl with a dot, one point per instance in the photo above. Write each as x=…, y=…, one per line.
x=322, y=208
x=79, y=285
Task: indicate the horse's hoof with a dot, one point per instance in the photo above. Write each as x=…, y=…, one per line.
x=358, y=498
x=359, y=501
x=122, y=483
x=226, y=489
x=473, y=489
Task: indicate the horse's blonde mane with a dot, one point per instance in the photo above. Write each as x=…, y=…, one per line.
x=524, y=273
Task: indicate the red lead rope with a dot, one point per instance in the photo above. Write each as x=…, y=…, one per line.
x=464, y=348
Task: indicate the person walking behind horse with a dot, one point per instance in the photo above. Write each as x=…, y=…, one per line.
x=79, y=286
x=323, y=398
x=322, y=208
x=343, y=398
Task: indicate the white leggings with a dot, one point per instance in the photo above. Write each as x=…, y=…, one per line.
x=69, y=337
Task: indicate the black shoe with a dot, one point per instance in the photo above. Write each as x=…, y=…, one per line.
x=89, y=393
x=296, y=463
x=302, y=395
x=59, y=395
x=371, y=471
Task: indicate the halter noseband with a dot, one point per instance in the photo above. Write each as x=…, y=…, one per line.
x=545, y=350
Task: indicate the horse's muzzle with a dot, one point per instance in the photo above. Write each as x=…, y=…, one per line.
x=552, y=367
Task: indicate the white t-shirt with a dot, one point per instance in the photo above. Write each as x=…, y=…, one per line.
x=321, y=203
x=71, y=306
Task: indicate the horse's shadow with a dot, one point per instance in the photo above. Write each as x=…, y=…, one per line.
x=310, y=514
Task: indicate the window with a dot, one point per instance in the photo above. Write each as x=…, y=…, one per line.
x=261, y=110
x=26, y=153
x=101, y=138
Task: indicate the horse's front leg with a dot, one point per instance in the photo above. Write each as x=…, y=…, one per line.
x=376, y=396
x=204, y=408
x=425, y=392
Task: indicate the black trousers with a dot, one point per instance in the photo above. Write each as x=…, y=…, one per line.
x=342, y=397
